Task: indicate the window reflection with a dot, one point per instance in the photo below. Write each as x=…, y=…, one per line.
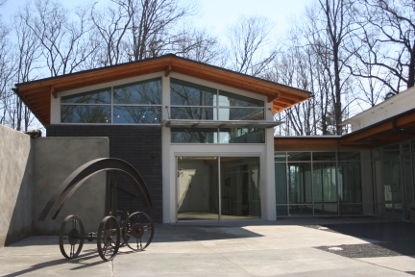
x=196, y=113
x=192, y=101
x=91, y=97
x=86, y=114
x=137, y=103
x=139, y=115
x=188, y=94
x=317, y=183
x=235, y=100
x=217, y=135
x=147, y=92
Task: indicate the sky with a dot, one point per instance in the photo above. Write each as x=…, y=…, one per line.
x=214, y=15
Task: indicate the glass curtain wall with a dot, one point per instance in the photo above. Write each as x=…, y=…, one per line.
x=215, y=188
x=317, y=183
x=394, y=169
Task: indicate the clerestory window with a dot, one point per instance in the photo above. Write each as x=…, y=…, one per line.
x=195, y=102
x=136, y=103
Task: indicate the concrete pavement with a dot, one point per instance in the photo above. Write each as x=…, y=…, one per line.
x=287, y=247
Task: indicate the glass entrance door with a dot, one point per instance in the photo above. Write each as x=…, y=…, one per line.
x=215, y=188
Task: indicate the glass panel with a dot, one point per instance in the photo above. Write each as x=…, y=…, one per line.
x=281, y=183
x=406, y=148
x=282, y=211
x=392, y=187
x=85, y=114
x=193, y=135
x=326, y=209
x=241, y=114
x=240, y=187
x=301, y=210
x=376, y=153
x=349, y=156
x=242, y=135
x=350, y=185
x=379, y=182
x=91, y=97
x=324, y=156
x=197, y=188
x=147, y=92
x=299, y=183
x=391, y=150
x=407, y=178
x=137, y=114
x=299, y=156
x=351, y=209
x=324, y=176
x=280, y=156
x=188, y=94
x=234, y=100
x=397, y=187
x=196, y=113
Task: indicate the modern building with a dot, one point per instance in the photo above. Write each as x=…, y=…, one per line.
x=202, y=138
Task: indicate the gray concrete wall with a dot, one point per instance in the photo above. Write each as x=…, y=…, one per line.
x=16, y=173
x=30, y=172
x=53, y=160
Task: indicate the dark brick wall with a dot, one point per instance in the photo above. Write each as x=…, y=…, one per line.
x=138, y=145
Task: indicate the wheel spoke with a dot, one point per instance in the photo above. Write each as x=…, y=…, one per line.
x=72, y=233
x=138, y=231
x=109, y=230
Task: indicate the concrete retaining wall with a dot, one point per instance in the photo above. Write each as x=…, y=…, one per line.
x=53, y=160
x=30, y=172
x=16, y=173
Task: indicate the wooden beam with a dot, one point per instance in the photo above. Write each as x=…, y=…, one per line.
x=168, y=70
x=54, y=93
x=274, y=97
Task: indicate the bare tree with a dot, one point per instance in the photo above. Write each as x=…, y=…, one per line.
x=250, y=51
x=28, y=58
x=152, y=31
x=387, y=43
x=112, y=26
x=297, y=66
x=62, y=39
x=6, y=73
x=133, y=30
x=199, y=46
x=329, y=34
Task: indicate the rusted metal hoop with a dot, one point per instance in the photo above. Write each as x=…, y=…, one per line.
x=82, y=173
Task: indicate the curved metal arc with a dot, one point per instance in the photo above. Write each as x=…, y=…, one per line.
x=82, y=173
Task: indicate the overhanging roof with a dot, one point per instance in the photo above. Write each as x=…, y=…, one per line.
x=37, y=94
x=391, y=130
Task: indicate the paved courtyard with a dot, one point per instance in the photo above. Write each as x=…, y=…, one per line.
x=287, y=247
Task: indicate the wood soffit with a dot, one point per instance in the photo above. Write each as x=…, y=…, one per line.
x=36, y=94
x=393, y=130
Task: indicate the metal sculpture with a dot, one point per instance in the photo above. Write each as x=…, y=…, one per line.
x=136, y=229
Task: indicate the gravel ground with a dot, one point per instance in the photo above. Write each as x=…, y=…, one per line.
x=385, y=239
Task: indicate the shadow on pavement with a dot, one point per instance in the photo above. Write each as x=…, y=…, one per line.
x=386, y=238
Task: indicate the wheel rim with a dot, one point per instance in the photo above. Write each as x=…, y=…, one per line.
x=71, y=237
x=138, y=230
x=108, y=238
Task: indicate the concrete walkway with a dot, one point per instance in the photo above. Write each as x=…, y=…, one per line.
x=287, y=247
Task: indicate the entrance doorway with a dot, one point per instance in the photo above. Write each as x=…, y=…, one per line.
x=217, y=188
